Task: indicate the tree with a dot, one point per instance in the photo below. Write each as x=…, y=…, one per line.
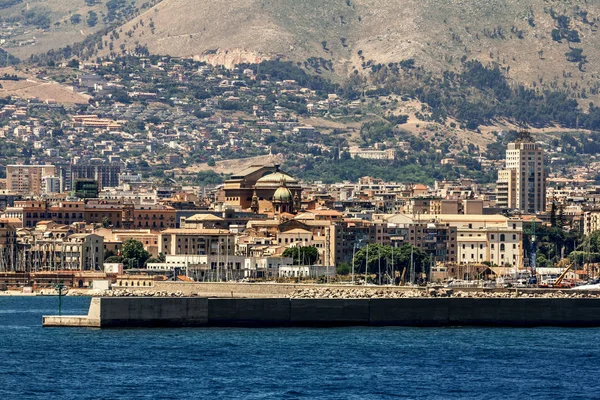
x=204, y=178
x=109, y=253
x=551, y=241
x=561, y=216
x=160, y=259
x=75, y=19
x=397, y=259
x=113, y=260
x=343, y=268
x=134, y=253
x=541, y=261
x=407, y=64
x=303, y=255
x=73, y=63
x=553, y=215
x=556, y=35
x=575, y=55
x=92, y=18
x=105, y=222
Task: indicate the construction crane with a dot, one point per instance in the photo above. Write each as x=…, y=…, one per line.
x=558, y=282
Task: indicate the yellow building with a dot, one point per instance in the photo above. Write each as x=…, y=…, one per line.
x=196, y=242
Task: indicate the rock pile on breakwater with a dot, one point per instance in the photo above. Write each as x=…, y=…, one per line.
x=368, y=293
x=138, y=293
x=364, y=293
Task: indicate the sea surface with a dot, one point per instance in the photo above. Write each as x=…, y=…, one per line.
x=290, y=363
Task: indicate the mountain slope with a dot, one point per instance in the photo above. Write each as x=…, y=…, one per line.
x=353, y=34
x=37, y=26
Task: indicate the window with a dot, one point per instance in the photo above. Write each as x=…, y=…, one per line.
x=502, y=237
x=502, y=247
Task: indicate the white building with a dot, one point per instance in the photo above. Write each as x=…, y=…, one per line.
x=487, y=238
x=52, y=184
x=305, y=271
x=222, y=267
x=372, y=154
x=522, y=185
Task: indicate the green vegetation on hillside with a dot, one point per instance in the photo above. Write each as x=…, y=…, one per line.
x=286, y=70
x=481, y=94
x=421, y=168
x=7, y=59
x=208, y=178
x=478, y=95
x=9, y=3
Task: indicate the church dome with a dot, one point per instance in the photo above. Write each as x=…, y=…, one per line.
x=274, y=180
x=283, y=194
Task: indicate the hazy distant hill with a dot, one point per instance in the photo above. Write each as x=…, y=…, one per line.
x=530, y=38
x=36, y=26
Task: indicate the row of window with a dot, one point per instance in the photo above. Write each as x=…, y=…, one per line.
x=502, y=247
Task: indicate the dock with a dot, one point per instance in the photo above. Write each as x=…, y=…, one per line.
x=125, y=312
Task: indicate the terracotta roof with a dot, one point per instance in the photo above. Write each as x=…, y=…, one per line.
x=327, y=212
x=184, y=231
x=203, y=217
x=297, y=231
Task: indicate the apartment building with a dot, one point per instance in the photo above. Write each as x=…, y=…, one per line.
x=27, y=179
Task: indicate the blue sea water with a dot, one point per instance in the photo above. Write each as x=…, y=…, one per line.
x=290, y=363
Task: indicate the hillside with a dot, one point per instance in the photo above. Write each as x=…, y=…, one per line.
x=30, y=87
x=529, y=39
x=36, y=26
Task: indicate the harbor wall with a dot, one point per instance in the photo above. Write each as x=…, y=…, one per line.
x=197, y=311
x=152, y=312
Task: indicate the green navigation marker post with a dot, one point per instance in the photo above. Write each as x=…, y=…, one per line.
x=60, y=288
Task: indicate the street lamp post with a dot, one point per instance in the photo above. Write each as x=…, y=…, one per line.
x=353, y=255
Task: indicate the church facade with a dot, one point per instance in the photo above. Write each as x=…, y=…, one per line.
x=263, y=189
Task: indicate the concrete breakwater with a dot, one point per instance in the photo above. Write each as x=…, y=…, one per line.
x=446, y=311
